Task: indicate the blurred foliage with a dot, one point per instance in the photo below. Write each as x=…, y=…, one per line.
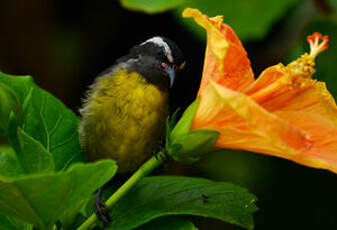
x=243, y=168
x=251, y=20
x=333, y=4
x=151, y=6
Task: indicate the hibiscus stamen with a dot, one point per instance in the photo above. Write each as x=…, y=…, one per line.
x=304, y=66
x=318, y=43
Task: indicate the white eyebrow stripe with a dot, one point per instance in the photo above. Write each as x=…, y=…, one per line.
x=160, y=42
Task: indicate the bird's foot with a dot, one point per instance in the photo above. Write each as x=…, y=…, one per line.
x=101, y=210
x=162, y=154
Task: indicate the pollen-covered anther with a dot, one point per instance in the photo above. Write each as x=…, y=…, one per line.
x=303, y=66
x=318, y=43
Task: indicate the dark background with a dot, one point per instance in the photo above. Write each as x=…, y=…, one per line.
x=65, y=44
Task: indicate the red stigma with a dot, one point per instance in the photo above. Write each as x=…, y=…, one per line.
x=310, y=38
x=318, y=43
x=317, y=35
x=325, y=38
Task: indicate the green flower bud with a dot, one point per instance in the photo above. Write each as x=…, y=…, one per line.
x=186, y=145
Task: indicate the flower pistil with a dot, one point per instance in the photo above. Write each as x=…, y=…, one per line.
x=296, y=73
x=304, y=66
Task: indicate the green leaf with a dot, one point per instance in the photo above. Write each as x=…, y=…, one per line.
x=73, y=217
x=41, y=199
x=13, y=125
x=151, y=6
x=74, y=221
x=251, y=20
x=33, y=156
x=158, y=196
x=10, y=223
x=46, y=120
x=184, y=124
x=168, y=223
x=9, y=102
x=19, y=84
x=9, y=166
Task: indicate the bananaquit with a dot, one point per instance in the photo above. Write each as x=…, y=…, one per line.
x=124, y=113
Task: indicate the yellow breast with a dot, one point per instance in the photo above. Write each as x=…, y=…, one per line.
x=123, y=119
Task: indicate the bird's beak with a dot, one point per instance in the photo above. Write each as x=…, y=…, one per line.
x=181, y=67
x=172, y=74
x=172, y=70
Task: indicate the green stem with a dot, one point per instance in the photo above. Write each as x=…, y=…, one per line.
x=144, y=170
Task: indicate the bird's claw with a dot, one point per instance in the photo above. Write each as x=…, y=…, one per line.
x=162, y=154
x=101, y=210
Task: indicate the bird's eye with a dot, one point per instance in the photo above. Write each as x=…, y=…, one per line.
x=164, y=65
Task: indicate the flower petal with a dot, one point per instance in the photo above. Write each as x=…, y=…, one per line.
x=323, y=153
x=244, y=124
x=226, y=60
x=277, y=89
x=267, y=77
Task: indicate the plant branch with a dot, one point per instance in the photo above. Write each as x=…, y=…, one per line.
x=143, y=171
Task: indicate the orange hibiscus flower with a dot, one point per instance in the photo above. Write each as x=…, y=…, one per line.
x=283, y=113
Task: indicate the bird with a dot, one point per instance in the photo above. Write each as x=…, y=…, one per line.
x=124, y=111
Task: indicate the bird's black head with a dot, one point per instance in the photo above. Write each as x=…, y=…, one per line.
x=158, y=59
